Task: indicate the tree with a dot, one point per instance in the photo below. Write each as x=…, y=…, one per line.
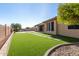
x=27, y=27
x=16, y=27
x=68, y=13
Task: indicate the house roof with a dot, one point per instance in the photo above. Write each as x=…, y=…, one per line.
x=54, y=18
x=50, y=19
x=39, y=24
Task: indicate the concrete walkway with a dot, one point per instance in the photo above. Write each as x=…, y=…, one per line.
x=5, y=48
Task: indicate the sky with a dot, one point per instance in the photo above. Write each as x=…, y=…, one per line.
x=27, y=14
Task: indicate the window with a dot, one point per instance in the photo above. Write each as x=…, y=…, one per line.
x=52, y=26
x=41, y=27
x=73, y=27
x=48, y=27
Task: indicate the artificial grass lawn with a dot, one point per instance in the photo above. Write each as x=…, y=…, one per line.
x=27, y=44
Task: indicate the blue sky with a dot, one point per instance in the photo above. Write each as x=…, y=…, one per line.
x=27, y=14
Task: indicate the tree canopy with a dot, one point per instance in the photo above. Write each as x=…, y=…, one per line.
x=68, y=13
x=16, y=27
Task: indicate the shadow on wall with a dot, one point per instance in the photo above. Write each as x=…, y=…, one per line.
x=66, y=39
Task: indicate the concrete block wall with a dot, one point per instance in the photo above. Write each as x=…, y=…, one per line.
x=5, y=31
x=2, y=32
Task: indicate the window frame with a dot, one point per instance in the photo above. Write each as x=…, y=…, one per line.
x=73, y=26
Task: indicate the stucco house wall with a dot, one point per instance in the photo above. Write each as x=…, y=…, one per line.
x=60, y=29
x=63, y=30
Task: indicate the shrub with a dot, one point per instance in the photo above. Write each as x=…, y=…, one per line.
x=68, y=13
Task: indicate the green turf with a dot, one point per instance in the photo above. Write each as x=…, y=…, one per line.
x=27, y=44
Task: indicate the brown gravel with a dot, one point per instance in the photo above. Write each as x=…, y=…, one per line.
x=65, y=50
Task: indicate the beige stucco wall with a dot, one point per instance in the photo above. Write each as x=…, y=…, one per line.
x=60, y=29
x=63, y=30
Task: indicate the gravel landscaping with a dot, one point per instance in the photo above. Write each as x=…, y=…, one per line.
x=65, y=50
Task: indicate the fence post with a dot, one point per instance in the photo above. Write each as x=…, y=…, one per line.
x=5, y=30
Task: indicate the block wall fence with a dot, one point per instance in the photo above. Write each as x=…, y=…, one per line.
x=5, y=32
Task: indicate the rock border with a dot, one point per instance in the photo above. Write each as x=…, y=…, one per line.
x=51, y=50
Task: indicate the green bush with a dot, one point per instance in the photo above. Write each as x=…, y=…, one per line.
x=68, y=13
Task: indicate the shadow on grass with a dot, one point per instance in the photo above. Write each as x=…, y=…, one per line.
x=66, y=39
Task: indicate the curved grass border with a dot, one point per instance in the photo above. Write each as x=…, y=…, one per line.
x=51, y=50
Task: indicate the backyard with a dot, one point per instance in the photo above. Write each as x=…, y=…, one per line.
x=35, y=43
